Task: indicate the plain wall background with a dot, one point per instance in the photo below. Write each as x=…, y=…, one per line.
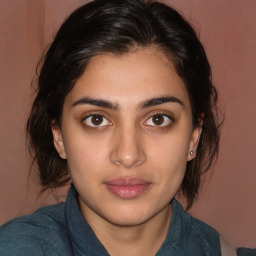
x=228, y=31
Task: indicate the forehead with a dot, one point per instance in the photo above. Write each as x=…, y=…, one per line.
x=135, y=76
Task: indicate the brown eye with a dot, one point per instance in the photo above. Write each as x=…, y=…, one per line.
x=159, y=120
x=96, y=120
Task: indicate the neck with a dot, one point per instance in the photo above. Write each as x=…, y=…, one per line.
x=143, y=239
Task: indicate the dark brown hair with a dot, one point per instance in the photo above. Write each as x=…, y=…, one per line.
x=117, y=26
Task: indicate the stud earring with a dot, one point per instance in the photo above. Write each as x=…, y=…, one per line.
x=191, y=152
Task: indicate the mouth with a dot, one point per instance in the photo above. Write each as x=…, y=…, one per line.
x=127, y=188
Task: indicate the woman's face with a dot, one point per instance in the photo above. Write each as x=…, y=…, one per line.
x=126, y=133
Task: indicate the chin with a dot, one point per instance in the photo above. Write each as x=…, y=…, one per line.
x=129, y=217
x=131, y=221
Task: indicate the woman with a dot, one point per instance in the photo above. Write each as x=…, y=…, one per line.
x=126, y=111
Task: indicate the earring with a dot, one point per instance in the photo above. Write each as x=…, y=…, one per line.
x=191, y=152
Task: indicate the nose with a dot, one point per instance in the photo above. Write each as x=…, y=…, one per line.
x=128, y=148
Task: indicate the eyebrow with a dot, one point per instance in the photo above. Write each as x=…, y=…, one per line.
x=110, y=105
x=96, y=102
x=159, y=101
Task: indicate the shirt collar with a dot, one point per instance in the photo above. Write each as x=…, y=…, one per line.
x=83, y=239
x=85, y=242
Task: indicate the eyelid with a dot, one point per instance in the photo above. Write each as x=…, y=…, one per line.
x=162, y=114
x=171, y=119
x=91, y=114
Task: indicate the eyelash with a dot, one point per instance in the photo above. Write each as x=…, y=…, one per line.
x=95, y=126
x=170, y=119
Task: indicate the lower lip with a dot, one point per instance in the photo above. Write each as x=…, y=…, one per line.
x=128, y=191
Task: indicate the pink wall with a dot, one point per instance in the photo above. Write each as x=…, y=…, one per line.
x=227, y=29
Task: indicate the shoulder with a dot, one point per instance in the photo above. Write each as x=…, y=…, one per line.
x=34, y=234
x=200, y=237
x=246, y=252
x=202, y=229
x=204, y=237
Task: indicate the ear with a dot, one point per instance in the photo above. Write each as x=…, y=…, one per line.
x=195, y=137
x=58, y=140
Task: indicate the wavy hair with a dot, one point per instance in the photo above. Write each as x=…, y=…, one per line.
x=118, y=26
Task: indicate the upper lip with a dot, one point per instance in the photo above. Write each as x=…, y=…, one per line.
x=126, y=182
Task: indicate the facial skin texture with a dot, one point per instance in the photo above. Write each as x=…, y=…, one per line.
x=128, y=143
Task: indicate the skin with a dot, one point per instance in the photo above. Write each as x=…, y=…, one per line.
x=127, y=142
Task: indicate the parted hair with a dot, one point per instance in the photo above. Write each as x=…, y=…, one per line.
x=119, y=26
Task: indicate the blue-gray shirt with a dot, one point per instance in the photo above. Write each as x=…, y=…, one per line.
x=61, y=230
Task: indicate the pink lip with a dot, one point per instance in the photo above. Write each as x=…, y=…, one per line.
x=127, y=188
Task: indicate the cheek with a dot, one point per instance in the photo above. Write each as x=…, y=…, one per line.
x=169, y=157
x=85, y=155
x=169, y=150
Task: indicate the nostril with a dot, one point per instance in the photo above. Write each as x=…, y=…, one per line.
x=127, y=163
x=127, y=150
x=127, y=158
